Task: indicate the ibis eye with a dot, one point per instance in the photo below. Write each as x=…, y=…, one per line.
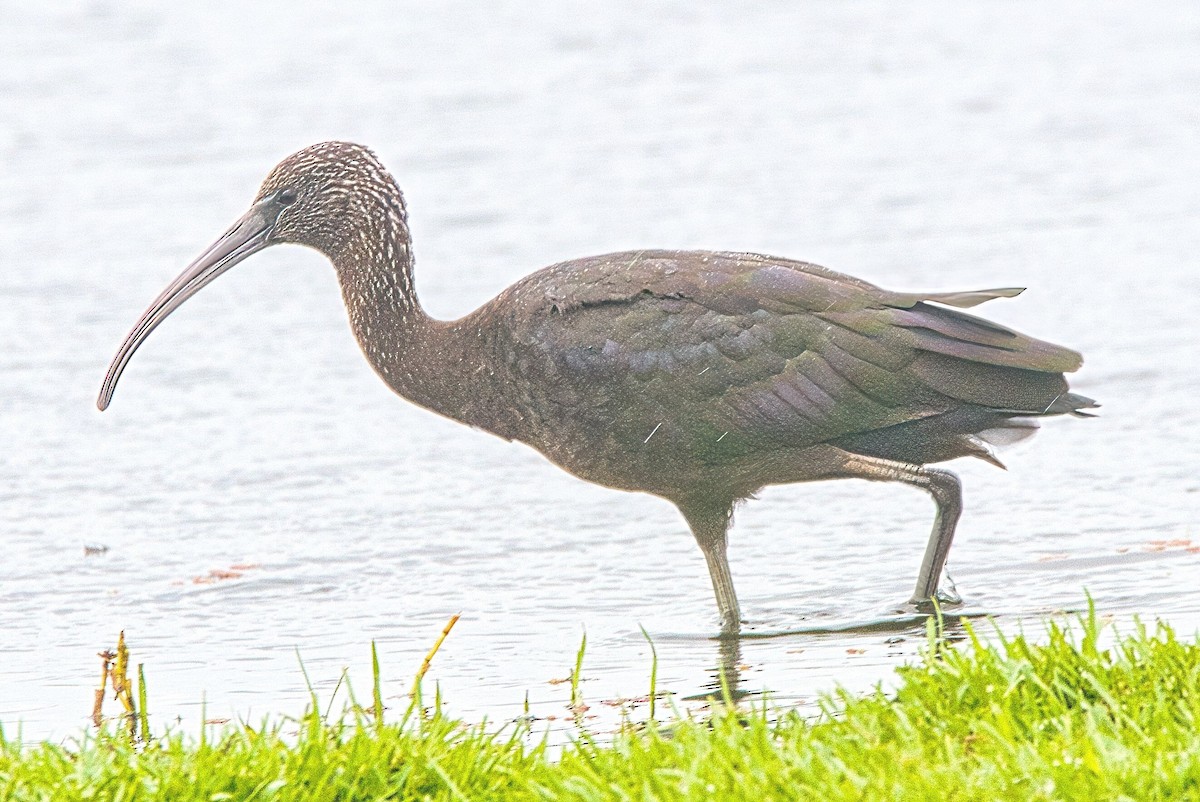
x=286, y=196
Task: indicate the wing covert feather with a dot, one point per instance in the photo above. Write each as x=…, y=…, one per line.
x=771, y=349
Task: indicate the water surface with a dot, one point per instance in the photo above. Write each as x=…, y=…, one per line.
x=929, y=147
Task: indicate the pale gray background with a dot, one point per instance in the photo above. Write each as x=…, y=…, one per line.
x=920, y=146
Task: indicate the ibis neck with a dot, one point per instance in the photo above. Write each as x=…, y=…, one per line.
x=440, y=365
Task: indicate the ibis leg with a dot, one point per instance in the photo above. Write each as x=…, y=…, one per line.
x=710, y=525
x=946, y=490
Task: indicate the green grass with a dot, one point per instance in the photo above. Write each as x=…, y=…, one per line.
x=1006, y=719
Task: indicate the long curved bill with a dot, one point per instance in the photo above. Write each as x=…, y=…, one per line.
x=248, y=235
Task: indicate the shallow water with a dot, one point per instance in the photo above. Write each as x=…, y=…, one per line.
x=939, y=148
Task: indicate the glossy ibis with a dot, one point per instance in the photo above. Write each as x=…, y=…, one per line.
x=696, y=376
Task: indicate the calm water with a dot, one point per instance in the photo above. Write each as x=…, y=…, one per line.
x=932, y=148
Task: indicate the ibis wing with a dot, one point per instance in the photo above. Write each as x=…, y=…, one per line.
x=762, y=351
